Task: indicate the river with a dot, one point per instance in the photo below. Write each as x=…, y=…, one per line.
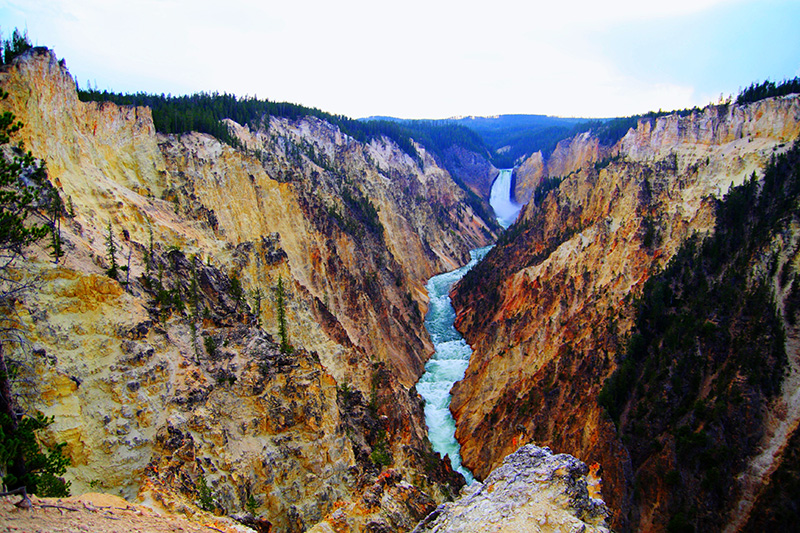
x=449, y=362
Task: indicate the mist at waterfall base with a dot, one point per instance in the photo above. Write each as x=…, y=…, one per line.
x=449, y=362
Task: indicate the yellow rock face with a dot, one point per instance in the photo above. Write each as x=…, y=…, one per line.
x=137, y=395
x=570, y=155
x=723, y=134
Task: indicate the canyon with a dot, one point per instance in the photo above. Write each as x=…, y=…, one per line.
x=256, y=361
x=263, y=343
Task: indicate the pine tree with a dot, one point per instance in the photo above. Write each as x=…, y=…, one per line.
x=280, y=300
x=111, y=253
x=17, y=45
x=56, y=209
x=257, y=296
x=21, y=179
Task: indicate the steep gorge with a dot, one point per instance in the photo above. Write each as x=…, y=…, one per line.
x=180, y=376
x=261, y=349
x=548, y=313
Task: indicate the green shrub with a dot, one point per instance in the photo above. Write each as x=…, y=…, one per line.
x=43, y=466
x=380, y=455
x=211, y=346
x=204, y=497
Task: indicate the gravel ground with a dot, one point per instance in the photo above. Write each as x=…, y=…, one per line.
x=94, y=513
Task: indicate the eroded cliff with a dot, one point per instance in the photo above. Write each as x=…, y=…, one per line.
x=549, y=310
x=263, y=341
x=569, y=156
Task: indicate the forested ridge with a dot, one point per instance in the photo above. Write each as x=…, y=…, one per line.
x=708, y=354
x=512, y=138
x=768, y=89
x=204, y=112
x=504, y=140
x=609, y=131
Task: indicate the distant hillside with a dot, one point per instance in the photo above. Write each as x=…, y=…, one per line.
x=205, y=113
x=509, y=138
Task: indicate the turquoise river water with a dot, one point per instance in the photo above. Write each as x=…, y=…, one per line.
x=449, y=362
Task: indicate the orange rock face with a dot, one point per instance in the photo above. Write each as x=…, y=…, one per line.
x=549, y=309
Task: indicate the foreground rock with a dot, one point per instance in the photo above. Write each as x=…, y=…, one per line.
x=533, y=490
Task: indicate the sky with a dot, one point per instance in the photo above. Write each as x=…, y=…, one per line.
x=425, y=58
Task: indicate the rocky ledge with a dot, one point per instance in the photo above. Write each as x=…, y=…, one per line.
x=533, y=490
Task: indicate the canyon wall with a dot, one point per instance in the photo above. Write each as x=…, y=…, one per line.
x=265, y=337
x=474, y=170
x=548, y=313
x=569, y=156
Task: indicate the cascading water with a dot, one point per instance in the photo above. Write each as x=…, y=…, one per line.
x=505, y=209
x=449, y=363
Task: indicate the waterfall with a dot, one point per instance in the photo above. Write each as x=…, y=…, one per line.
x=505, y=209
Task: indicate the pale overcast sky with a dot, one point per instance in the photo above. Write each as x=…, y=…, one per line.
x=425, y=58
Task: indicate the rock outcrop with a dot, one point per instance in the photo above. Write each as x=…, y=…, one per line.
x=474, y=170
x=272, y=292
x=550, y=308
x=570, y=155
x=533, y=490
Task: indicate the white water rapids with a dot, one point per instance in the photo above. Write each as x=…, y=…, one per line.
x=447, y=365
x=449, y=362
